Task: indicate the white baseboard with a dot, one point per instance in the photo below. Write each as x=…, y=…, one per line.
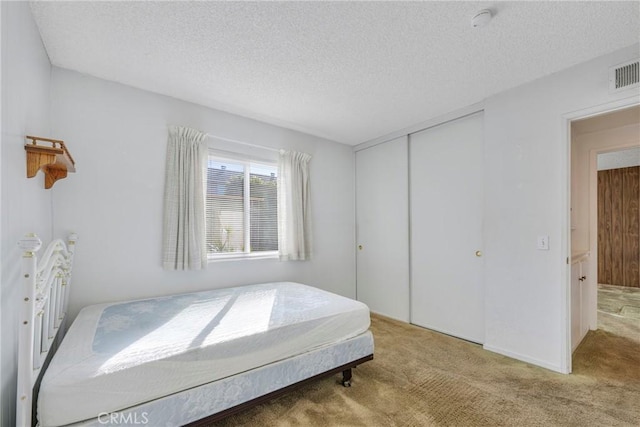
x=544, y=364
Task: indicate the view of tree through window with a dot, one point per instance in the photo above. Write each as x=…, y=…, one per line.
x=240, y=218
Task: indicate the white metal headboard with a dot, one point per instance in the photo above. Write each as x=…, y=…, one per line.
x=45, y=288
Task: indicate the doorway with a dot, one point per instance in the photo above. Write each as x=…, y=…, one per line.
x=608, y=141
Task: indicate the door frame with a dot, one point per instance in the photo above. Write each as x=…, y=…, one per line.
x=565, y=214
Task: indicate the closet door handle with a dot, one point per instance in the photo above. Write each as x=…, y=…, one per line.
x=478, y=253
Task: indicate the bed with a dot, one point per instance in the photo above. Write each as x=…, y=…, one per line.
x=185, y=359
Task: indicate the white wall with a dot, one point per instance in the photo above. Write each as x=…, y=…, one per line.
x=118, y=135
x=26, y=206
x=626, y=158
x=1, y=118
x=526, y=176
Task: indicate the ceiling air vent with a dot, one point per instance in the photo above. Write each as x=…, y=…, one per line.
x=624, y=76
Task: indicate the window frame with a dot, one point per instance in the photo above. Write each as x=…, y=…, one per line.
x=246, y=162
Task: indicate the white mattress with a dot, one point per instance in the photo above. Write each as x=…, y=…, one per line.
x=116, y=356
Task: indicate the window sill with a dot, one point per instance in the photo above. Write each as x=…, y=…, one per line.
x=242, y=256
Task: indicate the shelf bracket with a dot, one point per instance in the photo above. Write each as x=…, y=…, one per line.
x=54, y=161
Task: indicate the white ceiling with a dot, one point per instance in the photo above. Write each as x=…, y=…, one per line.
x=346, y=71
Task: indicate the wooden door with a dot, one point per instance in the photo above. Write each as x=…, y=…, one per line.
x=382, y=223
x=619, y=227
x=447, y=269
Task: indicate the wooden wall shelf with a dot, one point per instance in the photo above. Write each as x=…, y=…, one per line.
x=55, y=160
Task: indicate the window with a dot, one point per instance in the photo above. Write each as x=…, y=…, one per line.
x=241, y=208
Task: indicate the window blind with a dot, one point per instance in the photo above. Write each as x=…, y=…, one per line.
x=241, y=207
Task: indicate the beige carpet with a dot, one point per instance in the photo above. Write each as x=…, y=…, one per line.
x=422, y=378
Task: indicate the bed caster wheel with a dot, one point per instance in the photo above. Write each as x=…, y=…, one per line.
x=346, y=378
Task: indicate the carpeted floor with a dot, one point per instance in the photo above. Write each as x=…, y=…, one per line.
x=423, y=378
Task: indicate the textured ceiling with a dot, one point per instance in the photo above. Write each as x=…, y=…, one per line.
x=347, y=71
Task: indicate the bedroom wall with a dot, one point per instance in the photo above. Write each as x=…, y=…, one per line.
x=1, y=118
x=118, y=136
x=526, y=172
x=26, y=206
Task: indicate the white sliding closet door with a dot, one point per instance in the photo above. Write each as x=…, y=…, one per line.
x=382, y=217
x=446, y=175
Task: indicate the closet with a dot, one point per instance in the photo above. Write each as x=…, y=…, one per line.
x=446, y=197
x=419, y=203
x=382, y=218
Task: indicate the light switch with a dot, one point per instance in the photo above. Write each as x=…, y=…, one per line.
x=543, y=243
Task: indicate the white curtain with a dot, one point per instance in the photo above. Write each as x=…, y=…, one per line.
x=294, y=206
x=184, y=235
